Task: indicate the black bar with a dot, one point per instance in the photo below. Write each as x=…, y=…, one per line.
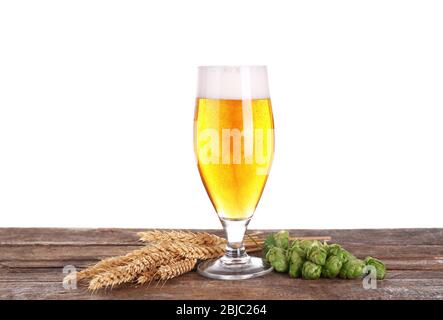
x=224, y=309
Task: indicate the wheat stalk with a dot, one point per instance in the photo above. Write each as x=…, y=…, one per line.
x=175, y=269
x=198, y=238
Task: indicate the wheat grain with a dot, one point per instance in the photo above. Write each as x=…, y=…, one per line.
x=148, y=276
x=144, y=261
x=175, y=269
x=110, y=263
x=197, y=251
x=152, y=274
x=101, y=266
x=127, y=273
x=198, y=238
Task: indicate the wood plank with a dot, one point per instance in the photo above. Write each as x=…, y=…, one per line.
x=80, y=252
x=32, y=260
x=391, y=263
x=45, y=252
x=191, y=286
x=56, y=275
x=431, y=236
x=65, y=236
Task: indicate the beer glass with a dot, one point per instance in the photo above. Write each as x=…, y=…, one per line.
x=234, y=146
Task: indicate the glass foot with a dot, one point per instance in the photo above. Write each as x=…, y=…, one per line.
x=248, y=268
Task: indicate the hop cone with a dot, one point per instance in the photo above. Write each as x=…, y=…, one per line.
x=282, y=239
x=306, y=244
x=311, y=271
x=277, y=258
x=346, y=256
x=342, y=254
x=334, y=249
x=351, y=269
x=295, y=265
x=295, y=247
x=379, y=267
x=317, y=255
x=332, y=267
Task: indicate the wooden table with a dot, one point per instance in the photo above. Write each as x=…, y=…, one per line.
x=32, y=262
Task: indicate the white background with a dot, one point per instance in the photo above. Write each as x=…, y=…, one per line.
x=97, y=102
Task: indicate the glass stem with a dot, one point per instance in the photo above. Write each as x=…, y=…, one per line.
x=235, y=250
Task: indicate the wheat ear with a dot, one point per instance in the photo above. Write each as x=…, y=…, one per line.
x=198, y=238
x=102, y=266
x=146, y=260
x=175, y=269
x=197, y=251
x=110, y=263
x=148, y=276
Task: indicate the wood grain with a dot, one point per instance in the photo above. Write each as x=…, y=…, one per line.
x=32, y=261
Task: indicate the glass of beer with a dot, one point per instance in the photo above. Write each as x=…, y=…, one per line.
x=234, y=146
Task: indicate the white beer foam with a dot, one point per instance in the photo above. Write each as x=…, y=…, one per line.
x=233, y=82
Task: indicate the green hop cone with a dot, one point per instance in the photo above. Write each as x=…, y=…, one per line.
x=295, y=265
x=277, y=258
x=378, y=265
x=282, y=239
x=295, y=247
x=352, y=269
x=334, y=249
x=346, y=256
x=311, y=271
x=338, y=251
x=332, y=267
x=317, y=255
x=268, y=244
x=306, y=244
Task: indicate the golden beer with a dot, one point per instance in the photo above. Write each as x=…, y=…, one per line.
x=234, y=145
